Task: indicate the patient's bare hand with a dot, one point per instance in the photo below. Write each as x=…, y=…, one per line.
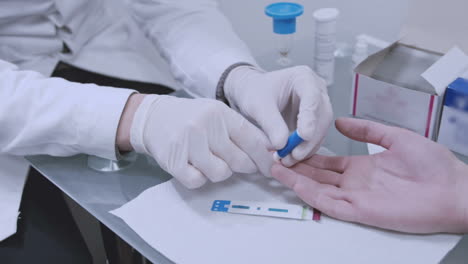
x=416, y=185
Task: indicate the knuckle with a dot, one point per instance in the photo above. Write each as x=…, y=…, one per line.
x=307, y=132
x=223, y=149
x=300, y=155
x=320, y=82
x=302, y=74
x=211, y=106
x=303, y=69
x=306, y=70
x=319, y=199
x=299, y=188
x=368, y=128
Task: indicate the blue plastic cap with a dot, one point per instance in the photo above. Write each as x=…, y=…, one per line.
x=293, y=140
x=284, y=16
x=456, y=95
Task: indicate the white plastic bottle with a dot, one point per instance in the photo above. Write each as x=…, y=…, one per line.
x=361, y=48
x=325, y=43
x=360, y=52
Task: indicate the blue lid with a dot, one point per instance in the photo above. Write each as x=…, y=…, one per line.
x=284, y=16
x=456, y=95
x=293, y=140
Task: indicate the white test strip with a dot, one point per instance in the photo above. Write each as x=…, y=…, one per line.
x=292, y=211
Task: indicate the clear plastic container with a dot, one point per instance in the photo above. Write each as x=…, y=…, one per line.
x=284, y=26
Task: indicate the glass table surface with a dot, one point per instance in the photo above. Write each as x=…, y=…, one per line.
x=101, y=192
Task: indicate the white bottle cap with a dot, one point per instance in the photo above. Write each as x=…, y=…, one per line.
x=326, y=14
x=360, y=51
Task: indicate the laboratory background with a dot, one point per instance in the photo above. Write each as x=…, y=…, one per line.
x=363, y=27
x=379, y=19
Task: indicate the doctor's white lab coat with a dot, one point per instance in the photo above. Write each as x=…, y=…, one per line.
x=41, y=115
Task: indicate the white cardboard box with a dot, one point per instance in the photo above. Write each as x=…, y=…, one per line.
x=389, y=86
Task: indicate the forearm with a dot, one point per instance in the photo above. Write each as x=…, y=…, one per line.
x=41, y=115
x=195, y=37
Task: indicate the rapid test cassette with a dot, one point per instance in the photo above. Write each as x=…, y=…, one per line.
x=292, y=211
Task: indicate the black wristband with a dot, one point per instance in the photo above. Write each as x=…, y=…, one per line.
x=220, y=87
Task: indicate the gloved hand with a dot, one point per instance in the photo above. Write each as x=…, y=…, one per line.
x=415, y=186
x=197, y=140
x=281, y=101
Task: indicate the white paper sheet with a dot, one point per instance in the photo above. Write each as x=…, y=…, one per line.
x=178, y=223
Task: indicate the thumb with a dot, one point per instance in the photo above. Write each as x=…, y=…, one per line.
x=368, y=131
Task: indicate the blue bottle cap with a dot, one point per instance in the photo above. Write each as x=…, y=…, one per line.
x=284, y=16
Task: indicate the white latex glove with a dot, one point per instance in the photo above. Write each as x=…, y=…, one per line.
x=294, y=97
x=197, y=140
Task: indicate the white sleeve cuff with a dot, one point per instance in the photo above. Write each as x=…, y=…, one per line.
x=99, y=119
x=139, y=123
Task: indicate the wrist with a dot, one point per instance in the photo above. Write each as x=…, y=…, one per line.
x=462, y=189
x=223, y=81
x=126, y=120
x=238, y=81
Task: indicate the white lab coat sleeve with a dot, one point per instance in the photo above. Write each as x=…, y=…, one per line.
x=40, y=115
x=195, y=38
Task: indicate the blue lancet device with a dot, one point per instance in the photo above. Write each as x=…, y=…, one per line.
x=293, y=140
